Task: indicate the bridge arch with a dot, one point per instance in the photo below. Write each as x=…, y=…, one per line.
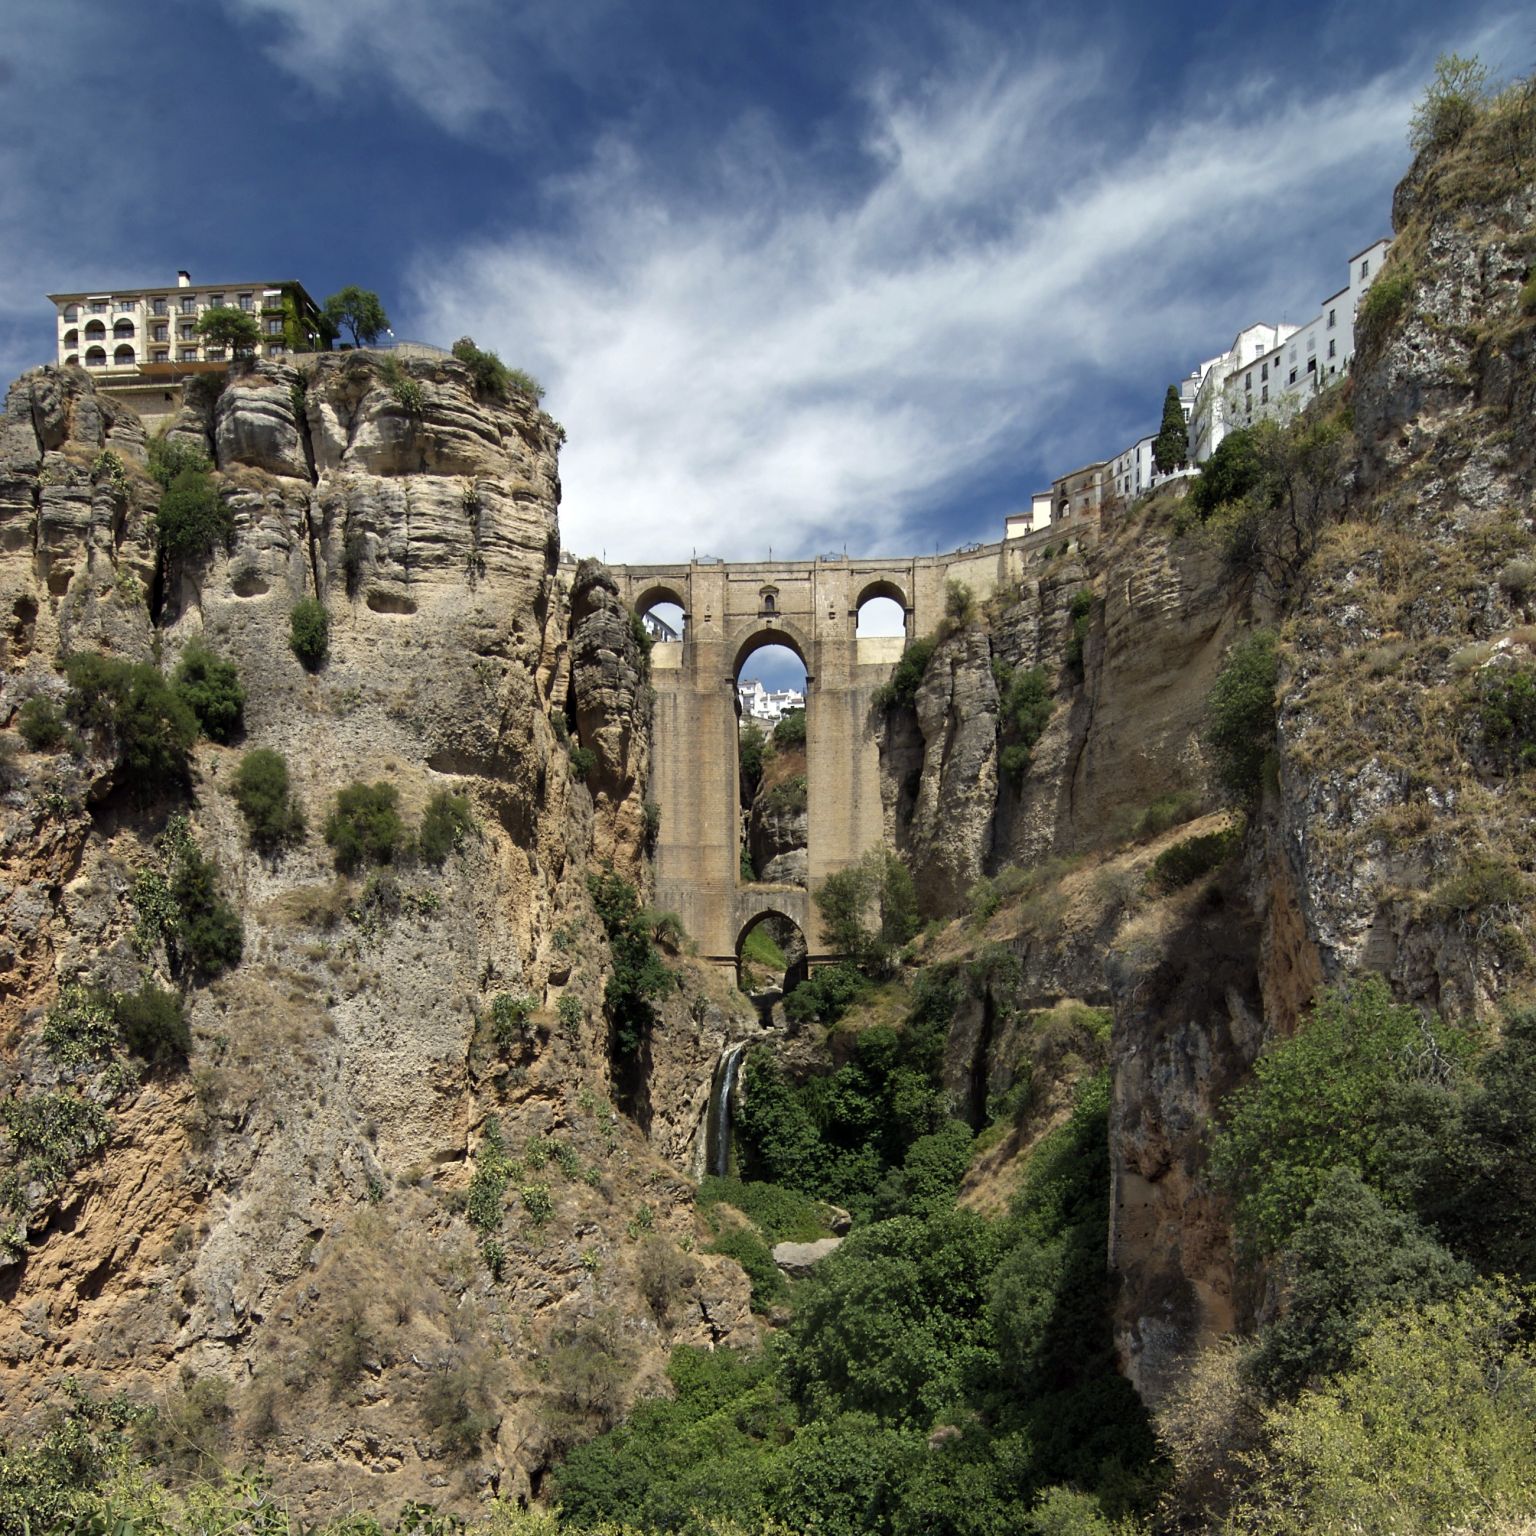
x=796, y=952
x=777, y=631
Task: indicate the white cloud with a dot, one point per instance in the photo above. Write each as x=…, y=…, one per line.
x=767, y=359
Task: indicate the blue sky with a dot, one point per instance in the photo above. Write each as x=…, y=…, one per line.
x=795, y=276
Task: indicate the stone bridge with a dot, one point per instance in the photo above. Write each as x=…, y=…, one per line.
x=811, y=607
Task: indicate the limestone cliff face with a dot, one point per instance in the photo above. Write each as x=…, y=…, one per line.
x=302, y=1182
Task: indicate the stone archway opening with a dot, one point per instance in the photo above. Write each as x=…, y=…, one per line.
x=771, y=958
x=772, y=765
x=881, y=617
x=664, y=614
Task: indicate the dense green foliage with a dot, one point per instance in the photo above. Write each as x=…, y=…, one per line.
x=638, y=977
x=1170, y=448
x=173, y=456
x=153, y=1024
x=492, y=376
x=210, y=687
x=359, y=311
x=751, y=751
x=1451, y=103
x=1326, y=1099
x=826, y=994
x=901, y=691
x=445, y=824
x=192, y=518
x=364, y=826
x=224, y=325
x=1230, y=473
x=208, y=936
x=1240, y=716
x=309, y=633
x=1079, y=612
x=869, y=910
x=1506, y=706
x=789, y=731
x=42, y=724
x=1024, y=711
x=995, y=1333
x=1184, y=862
x=261, y=791
x=131, y=705
x=782, y=1215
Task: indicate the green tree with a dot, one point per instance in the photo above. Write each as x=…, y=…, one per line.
x=207, y=936
x=1227, y=476
x=638, y=977
x=364, y=827
x=131, y=704
x=172, y=456
x=210, y=687
x=359, y=311
x=310, y=633
x=153, y=1024
x=192, y=519
x=1451, y=104
x=261, y=792
x=1240, y=716
x=869, y=909
x=1322, y=1100
x=445, y=823
x=225, y=326
x=1170, y=448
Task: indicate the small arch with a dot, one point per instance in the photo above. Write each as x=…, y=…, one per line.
x=123, y=357
x=96, y=357
x=71, y=313
x=73, y=358
x=123, y=330
x=881, y=586
x=879, y=614
x=95, y=330
x=663, y=612
x=772, y=967
x=71, y=338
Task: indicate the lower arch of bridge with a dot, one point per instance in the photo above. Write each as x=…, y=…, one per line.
x=764, y=633
x=798, y=967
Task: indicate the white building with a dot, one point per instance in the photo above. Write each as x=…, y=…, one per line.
x=1282, y=379
x=1208, y=422
x=765, y=704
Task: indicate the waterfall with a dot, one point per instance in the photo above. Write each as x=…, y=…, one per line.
x=713, y=1152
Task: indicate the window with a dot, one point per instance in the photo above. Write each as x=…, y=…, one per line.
x=162, y=333
x=96, y=307
x=71, y=312
x=1365, y=269
x=274, y=327
x=276, y=351
x=162, y=355
x=189, y=306
x=247, y=302
x=215, y=354
x=74, y=357
x=1311, y=365
x=1264, y=371
x=1248, y=381
x=1264, y=395
x=1293, y=376
x=1333, y=348
x=186, y=332
x=188, y=354
x=157, y=306
x=71, y=338
x=1333, y=318
x=217, y=300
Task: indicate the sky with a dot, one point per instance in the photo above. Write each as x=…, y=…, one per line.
x=797, y=278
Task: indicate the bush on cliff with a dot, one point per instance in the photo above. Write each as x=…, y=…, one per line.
x=310, y=633
x=638, y=977
x=261, y=791
x=1240, y=716
x=210, y=687
x=192, y=519
x=901, y=691
x=130, y=705
x=365, y=827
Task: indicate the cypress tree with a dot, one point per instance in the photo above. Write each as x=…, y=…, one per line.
x=1170, y=448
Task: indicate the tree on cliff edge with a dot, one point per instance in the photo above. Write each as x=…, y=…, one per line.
x=1170, y=448
x=359, y=311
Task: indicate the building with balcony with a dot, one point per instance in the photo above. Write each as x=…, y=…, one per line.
x=140, y=343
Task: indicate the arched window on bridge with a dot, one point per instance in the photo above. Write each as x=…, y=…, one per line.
x=661, y=611
x=881, y=616
x=773, y=768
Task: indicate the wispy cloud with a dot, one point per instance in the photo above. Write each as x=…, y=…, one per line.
x=765, y=358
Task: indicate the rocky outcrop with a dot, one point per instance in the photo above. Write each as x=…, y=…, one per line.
x=797, y=1260
x=948, y=836
x=778, y=823
x=303, y=1180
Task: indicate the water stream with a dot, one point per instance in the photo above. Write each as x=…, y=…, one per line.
x=713, y=1152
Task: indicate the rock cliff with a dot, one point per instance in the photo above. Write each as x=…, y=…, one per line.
x=274, y=1240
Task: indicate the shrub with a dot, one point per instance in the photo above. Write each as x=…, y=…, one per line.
x=790, y=730
x=638, y=977
x=1385, y=300
x=1230, y=473
x=538, y=1203
x=153, y=1024
x=170, y=457
x=583, y=762
x=901, y=691
x=510, y=1016
x=959, y=603
x=486, y=1200
x=261, y=792
x=789, y=796
x=751, y=752
x=1240, y=716
x=210, y=688
x=664, y=1273
x=365, y=826
x=1167, y=811
x=310, y=632
x=41, y=724
x=492, y=376
x=755, y=1257
x=869, y=910
x=455, y=1407
x=406, y=390
x=1185, y=862
x=1506, y=705
x=152, y=729
x=445, y=823
x=570, y=1013
x=192, y=519
x=782, y=1215
x=1319, y=1101
x=826, y=994
x=207, y=932
x=1025, y=705
x=1452, y=103
x=650, y=824
x=79, y=1027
